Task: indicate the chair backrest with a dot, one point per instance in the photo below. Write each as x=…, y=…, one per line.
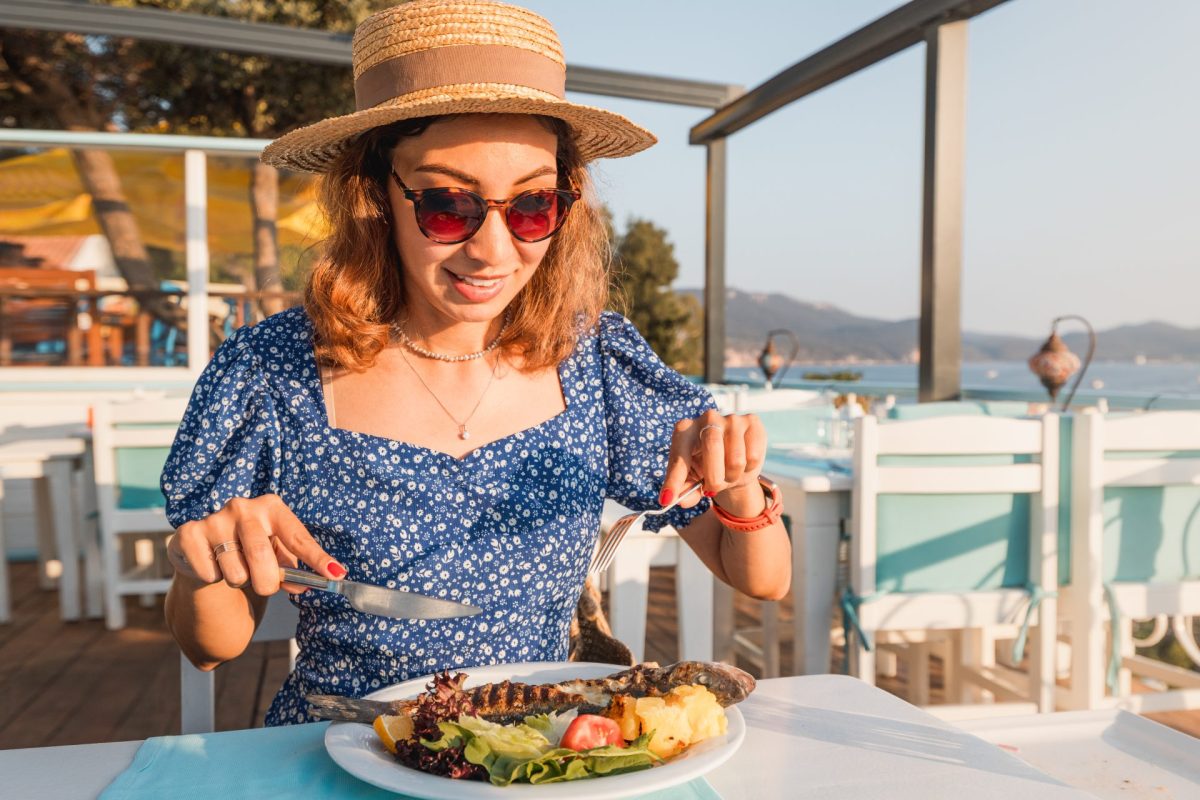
x=955, y=504
x=1137, y=494
x=130, y=442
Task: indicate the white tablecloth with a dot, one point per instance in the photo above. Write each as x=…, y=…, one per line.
x=820, y=736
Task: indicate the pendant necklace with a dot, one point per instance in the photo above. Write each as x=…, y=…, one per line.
x=463, y=433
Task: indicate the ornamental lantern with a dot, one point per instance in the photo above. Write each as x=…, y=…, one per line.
x=773, y=363
x=770, y=362
x=1054, y=364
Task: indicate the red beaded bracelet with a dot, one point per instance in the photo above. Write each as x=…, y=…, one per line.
x=769, y=516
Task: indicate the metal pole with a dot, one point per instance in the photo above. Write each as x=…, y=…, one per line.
x=941, y=224
x=714, y=264
x=195, y=188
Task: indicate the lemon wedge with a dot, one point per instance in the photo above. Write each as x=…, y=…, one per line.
x=393, y=728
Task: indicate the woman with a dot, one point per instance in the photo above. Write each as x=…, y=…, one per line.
x=449, y=409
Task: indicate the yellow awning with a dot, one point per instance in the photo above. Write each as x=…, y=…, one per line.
x=41, y=195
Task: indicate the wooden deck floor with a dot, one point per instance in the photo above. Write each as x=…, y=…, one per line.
x=78, y=683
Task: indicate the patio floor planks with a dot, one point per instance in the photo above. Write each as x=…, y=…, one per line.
x=76, y=683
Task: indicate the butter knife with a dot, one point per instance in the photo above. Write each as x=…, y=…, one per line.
x=380, y=600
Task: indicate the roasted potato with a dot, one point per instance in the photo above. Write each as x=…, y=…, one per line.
x=682, y=717
x=623, y=709
x=704, y=713
x=669, y=723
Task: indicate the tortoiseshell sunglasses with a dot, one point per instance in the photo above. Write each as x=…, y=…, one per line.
x=452, y=216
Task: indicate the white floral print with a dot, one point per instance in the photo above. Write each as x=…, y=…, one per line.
x=510, y=527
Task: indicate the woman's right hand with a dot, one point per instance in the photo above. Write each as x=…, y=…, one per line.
x=269, y=536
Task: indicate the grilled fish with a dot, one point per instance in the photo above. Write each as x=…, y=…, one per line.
x=507, y=701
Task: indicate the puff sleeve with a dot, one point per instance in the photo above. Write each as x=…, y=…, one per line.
x=643, y=400
x=228, y=443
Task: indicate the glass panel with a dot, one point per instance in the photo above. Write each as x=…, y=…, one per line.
x=258, y=259
x=91, y=253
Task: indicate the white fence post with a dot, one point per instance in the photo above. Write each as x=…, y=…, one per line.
x=195, y=182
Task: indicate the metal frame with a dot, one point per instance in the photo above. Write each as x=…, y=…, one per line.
x=714, y=263
x=940, y=334
x=941, y=24
x=323, y=47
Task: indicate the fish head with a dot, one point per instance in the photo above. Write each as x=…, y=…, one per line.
x=729, y=684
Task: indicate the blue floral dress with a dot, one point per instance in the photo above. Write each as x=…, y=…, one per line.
x=510, y=527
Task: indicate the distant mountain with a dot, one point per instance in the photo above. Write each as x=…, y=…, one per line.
x=1158, y=341
x=828, y=333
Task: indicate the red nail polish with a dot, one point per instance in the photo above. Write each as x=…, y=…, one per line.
x=336, y=570
x=666, y=496
x=708, y=493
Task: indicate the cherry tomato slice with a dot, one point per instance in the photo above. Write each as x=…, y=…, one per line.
x=590, y=730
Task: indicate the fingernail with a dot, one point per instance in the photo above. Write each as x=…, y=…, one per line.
x=666, y=496
x=709, y=493
x=336, y=570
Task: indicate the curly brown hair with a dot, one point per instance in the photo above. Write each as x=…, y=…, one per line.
x=355, y=291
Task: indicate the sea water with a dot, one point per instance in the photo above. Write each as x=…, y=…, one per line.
x=1176, y=379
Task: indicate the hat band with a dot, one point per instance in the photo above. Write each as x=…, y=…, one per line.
x=447, y=66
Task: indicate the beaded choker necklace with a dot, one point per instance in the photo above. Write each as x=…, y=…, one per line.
x=398, y=330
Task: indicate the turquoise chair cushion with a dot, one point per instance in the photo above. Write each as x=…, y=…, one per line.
x=138, y=472
x=948, y=543
x=795, y=425
x=1066, y=438
x=1152, y=534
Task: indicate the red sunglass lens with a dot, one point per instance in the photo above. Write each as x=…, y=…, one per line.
x=450, y=216
x=536, y=215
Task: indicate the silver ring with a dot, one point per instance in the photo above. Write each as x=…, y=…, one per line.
x=226, y=547
x=714, y=427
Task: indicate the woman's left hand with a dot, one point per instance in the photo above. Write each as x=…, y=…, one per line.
x=726, y=453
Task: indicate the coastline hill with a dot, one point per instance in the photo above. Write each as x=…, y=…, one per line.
x=831, y=334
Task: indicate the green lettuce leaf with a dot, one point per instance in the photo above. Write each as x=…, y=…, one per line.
x=523, y=753
x=561, y=764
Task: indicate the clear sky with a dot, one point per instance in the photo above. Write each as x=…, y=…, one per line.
x=1083, y=155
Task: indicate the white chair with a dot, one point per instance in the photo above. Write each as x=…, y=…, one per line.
x=130, y=442
x=1135, y=554
x=936, y=514
x=792, y=418
x=628, y=583
x=197, y=689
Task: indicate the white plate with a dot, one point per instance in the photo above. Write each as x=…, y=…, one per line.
x=356, y=749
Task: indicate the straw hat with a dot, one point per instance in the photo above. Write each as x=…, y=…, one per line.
x=429, y=57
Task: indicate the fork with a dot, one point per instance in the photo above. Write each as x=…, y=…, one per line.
x=608, y=548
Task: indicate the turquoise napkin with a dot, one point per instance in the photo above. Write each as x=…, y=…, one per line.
x=289, y=761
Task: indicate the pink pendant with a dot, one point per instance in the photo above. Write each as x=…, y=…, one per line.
x=462, y=432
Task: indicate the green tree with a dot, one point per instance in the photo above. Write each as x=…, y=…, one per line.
x=644, y=267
